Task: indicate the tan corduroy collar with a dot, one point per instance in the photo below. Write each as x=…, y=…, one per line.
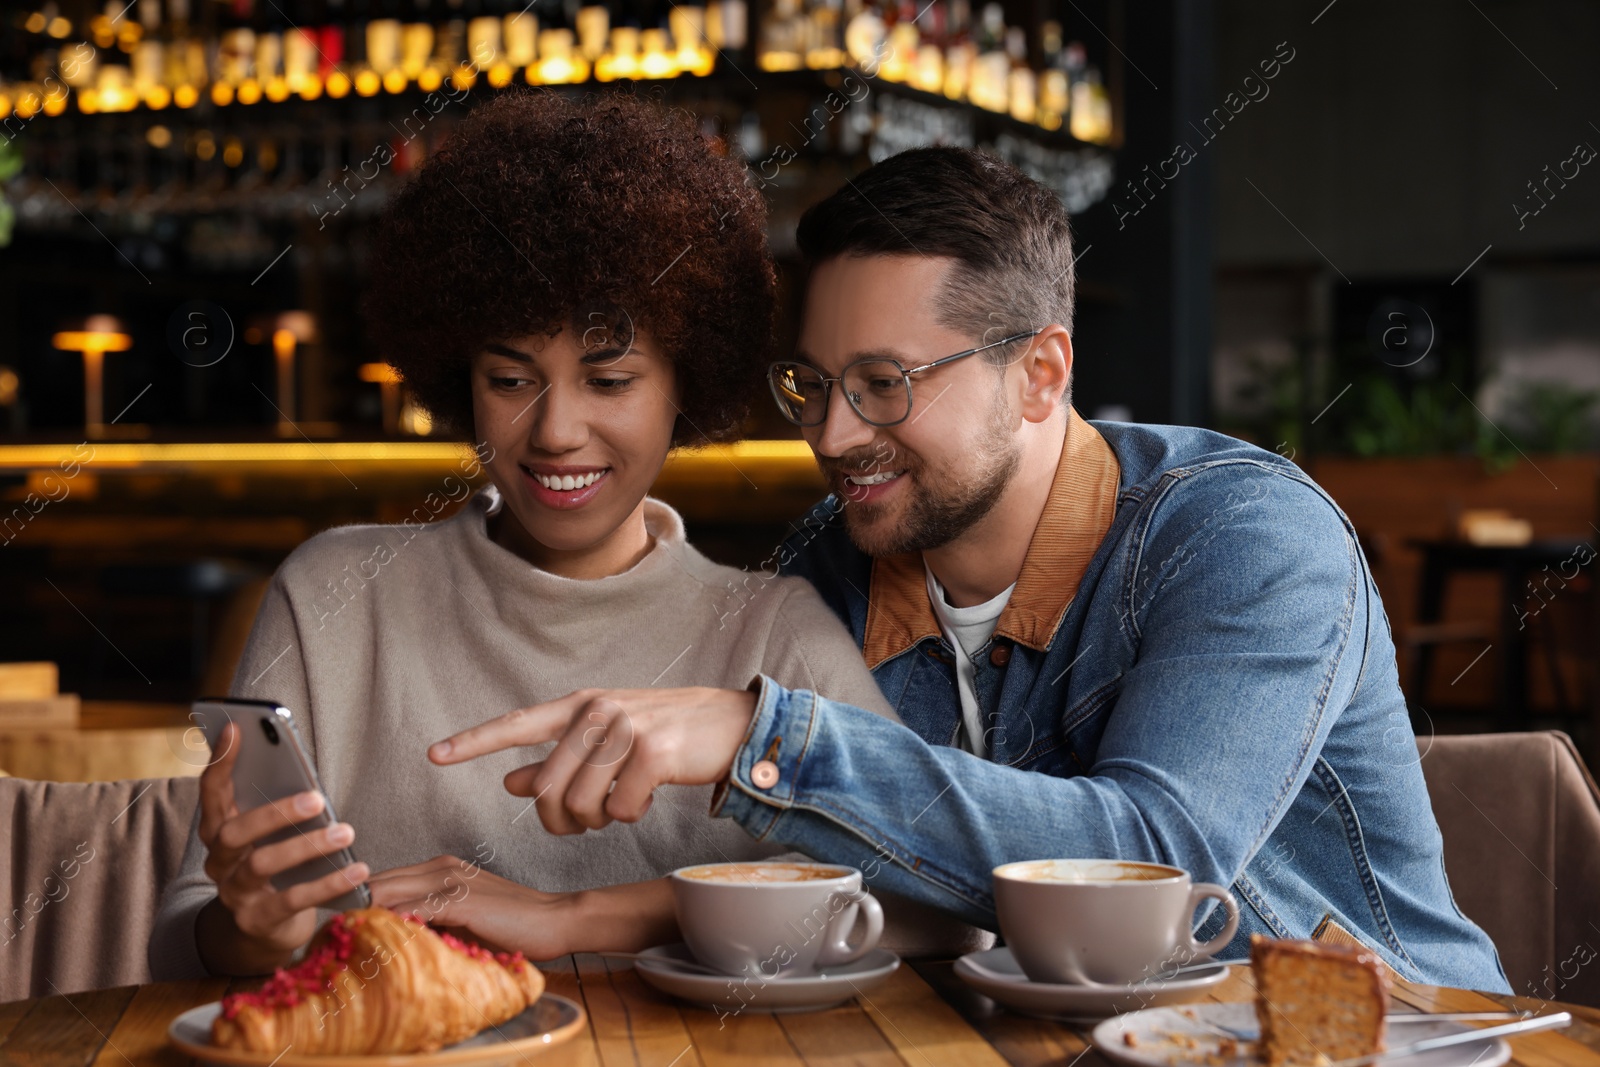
x=1076, y=516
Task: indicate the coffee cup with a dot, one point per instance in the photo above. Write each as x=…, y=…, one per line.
x=773, y=919
x=1083, y=922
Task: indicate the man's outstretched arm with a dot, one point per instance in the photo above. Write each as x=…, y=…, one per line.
x=1247, y=619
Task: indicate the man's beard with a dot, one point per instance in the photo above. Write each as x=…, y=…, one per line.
x=941, y=508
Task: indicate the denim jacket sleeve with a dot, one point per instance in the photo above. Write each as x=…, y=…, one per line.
x=1234, y=596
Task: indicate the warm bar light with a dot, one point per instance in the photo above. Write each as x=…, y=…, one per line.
x=283, y=343
x=388, y=380
x=793, y=457
x=622, y=60
x=289, y=329
x=658, y=62
x=99, y=336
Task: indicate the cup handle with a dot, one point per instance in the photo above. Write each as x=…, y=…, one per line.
x=1201, y=891
x=836, y=949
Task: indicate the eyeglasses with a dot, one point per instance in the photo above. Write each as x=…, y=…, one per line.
x=878, y=389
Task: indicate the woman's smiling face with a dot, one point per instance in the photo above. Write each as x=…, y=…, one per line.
x=578, y=433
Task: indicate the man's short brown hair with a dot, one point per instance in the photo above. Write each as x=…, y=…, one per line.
x=1008, y=233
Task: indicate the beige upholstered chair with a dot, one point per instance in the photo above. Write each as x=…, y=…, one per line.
x=82, y=878
x=1520, y=816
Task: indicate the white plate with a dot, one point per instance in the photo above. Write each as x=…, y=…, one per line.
x=734, y=994
x=1154, y=1031
x=996, y=975
x=549, y=1021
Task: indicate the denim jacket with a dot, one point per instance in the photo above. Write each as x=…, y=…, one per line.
x=1195, y=669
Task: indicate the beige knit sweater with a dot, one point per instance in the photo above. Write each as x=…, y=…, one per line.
x=384, y=639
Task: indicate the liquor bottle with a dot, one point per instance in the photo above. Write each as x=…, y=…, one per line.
x=1099, y=107
x=449, y=46
x=270, y=58
x=1080, y=116
x=824, y=35
x=693, y=52
x=231, y=50
x=621, y=58
x=385, y=44
x=959, y=52
x=782, y=37
x=416, y=45
x=483, y=41
x=1053, y=102
x=865, y=36
x=927, y=66
x=559, y=61
x=899, y=52
x=358, y=68
x=249, y=41
x=992, y=68
x=186, y=56
x=727, y=27
x=149, y=71
x=714, y=35
x=1022, y=87
x=594, y=31
x=330, y=50
x=149, y=58
x=658, y=59
x=519, y=36
x=735, y=27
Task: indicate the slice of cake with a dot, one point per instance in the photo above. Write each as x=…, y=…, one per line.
x=1317, y=1003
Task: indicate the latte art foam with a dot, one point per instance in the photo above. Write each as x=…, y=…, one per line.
x=763, y=873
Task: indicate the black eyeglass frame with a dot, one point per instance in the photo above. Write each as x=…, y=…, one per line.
x=905, y=374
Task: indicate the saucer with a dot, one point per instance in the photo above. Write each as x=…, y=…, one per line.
x=1174, y=1037
x=549, y=1021
x=733, y=993
x=996, y=975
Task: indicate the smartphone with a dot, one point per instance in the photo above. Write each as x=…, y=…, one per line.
x=272, y=765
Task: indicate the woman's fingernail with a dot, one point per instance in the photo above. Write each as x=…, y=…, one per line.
x=307, y=803
x=341, y=834
x=441, y=750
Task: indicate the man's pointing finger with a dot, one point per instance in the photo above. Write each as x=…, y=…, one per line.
x=525, y=726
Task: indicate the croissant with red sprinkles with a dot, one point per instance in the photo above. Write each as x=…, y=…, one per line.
x=376, y=982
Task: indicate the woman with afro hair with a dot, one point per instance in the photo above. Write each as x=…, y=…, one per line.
x=576, y=287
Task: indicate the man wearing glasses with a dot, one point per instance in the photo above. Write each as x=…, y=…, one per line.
x=1150, y=643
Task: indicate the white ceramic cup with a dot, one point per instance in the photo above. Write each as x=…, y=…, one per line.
x=773, y=919
x=1079, y=922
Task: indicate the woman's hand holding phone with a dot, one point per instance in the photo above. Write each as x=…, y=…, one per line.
x=267, y=924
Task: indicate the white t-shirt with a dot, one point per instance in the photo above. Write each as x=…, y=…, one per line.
x=967, y=630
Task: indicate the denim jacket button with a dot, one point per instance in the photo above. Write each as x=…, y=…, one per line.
x=1000, y=655
x=764, y=774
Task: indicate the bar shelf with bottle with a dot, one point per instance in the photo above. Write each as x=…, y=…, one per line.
x=129, y=218
x=157, y=55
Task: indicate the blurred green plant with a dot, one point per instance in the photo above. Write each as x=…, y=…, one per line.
x=1553, y=416
x=10, y=163
x=1429, y=418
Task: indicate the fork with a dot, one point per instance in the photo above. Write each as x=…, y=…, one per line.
x=1395, y=1017
x=1241, y=1034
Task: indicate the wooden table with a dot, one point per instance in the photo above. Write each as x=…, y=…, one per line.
x=923, y=1017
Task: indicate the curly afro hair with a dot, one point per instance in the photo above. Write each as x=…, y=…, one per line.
x=541, y=213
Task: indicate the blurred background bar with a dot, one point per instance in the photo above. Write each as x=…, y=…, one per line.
x=1363, y=235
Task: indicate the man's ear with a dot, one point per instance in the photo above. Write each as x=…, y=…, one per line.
x=1047, y=373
